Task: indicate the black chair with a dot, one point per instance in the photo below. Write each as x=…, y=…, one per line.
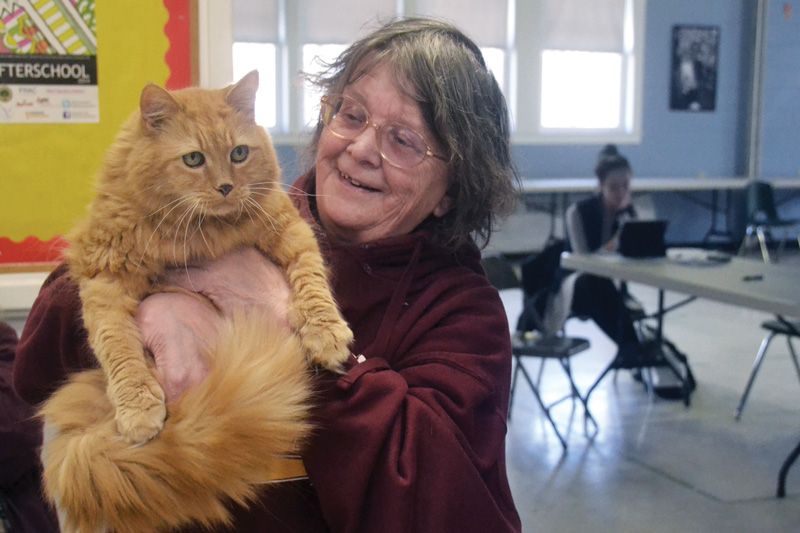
x=533, y=343
x=762, y=218
x=774, y=327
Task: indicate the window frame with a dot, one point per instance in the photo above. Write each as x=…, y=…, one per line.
x=215, y=35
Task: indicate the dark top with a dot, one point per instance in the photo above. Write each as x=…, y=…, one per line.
x=592, y=215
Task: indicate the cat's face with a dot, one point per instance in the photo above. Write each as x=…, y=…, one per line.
x=203, y=154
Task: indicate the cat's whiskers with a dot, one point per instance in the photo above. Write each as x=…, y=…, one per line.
x=270, y=187
x=186, y=237
x=200, y=221
x=291, y=190
x=298, y=194
x=177, y=203
x=259, y=210
x=241, y=209
x=176, y=231
x=247, y=212
x=165, y=206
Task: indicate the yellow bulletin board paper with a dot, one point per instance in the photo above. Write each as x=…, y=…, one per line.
x=47, y=170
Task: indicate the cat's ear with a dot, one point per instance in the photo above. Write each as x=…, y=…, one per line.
x=156, y=105
x=242, y=95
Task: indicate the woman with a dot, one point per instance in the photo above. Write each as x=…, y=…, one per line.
x=593, y=226
x=411, y=160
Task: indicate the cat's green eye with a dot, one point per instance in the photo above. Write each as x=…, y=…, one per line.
x=194, y=159
x=240, y=153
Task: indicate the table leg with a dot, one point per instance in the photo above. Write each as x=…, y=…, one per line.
x=713, y=230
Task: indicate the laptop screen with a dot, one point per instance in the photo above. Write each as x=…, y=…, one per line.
x=643, y=238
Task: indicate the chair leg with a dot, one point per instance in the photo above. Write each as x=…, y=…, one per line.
x=794, y=356
x=513, y=386
x=587, y=415
x=611, y=366
x=540, y=372
x=787, y=464
x=748, y=236
x=756, y=366
x=546, y=409
x=762, y=242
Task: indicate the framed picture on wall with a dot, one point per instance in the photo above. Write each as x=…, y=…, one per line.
x=695, y=57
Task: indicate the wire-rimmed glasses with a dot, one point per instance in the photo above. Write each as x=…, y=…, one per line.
x=398, y=145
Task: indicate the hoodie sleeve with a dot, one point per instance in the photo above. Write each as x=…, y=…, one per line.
x=418, y=444
x=18, y=433
x=53, y=342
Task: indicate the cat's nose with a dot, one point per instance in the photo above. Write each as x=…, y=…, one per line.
x=225, y=189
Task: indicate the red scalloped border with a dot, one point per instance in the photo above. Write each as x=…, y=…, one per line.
x=178, y=30
x=31, y=250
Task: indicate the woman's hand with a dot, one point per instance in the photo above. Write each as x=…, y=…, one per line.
x=179, y=330
x=238, y=280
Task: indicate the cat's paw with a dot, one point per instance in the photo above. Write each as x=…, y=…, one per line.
x=141, y=415
x=327, y=343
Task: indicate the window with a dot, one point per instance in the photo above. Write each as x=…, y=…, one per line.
x=315, y=57
x=580, y=90
x=571, y=70
x=582, y=70
x=261, y=57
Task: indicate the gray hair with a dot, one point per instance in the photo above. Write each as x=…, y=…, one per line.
x=443, y=70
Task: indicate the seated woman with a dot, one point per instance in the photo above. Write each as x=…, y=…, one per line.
x=593, y=225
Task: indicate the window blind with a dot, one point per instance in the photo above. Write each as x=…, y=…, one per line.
x=589, y=25
x=484, y=21
x=255, y=21
x=343, y=21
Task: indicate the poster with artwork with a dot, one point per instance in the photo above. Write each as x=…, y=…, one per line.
x=695, y=53
x=48, y=62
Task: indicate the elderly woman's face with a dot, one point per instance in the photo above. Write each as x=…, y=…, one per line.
x=360, y=196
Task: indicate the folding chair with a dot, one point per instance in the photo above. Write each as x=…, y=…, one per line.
x=774, y=327
x=762, y=217
x=533, y=343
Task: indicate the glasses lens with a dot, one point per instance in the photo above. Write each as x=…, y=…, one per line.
x=402, y=146
x=344, y=116
x=399, y=145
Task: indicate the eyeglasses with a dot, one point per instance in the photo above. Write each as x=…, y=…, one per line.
x=398, y=145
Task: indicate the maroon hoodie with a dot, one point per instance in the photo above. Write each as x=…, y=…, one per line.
x=412, y=439
x=21, y=499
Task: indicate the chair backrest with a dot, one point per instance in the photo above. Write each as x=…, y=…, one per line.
x=761, y=202
x=540, y=271
x=500, y=272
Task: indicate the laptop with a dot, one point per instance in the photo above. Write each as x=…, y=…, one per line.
x=643, y=238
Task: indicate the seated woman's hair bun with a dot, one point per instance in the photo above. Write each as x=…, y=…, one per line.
x=608, y=160
x=609, y=150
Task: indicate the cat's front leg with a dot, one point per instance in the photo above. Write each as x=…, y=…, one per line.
x=324, y=333
x=108, y=314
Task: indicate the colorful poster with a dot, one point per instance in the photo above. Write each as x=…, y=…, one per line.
x=48, y=62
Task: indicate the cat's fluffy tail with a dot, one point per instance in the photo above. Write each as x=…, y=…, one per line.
x=221, y=440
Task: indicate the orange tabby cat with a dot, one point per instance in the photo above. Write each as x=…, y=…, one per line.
x=186, y=180
x=190, y=176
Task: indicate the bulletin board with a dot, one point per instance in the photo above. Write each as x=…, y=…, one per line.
x=47, y=171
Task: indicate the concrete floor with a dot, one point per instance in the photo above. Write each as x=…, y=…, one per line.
x=656, y=465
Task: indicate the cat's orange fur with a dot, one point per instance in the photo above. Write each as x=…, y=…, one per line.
x=157, y=208
x=223, y=441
